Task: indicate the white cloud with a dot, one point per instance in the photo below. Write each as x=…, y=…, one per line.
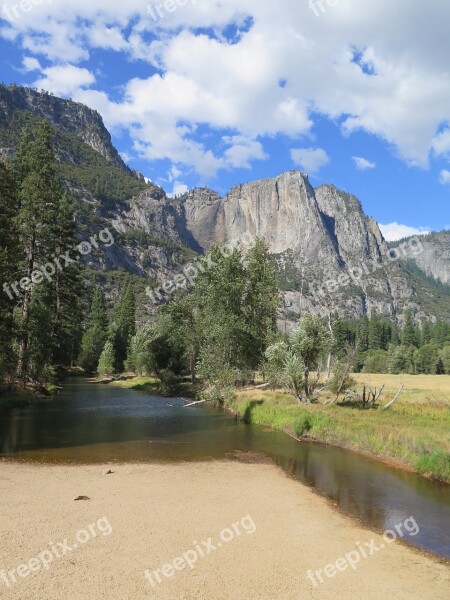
x=65, y=80
x=362, y=164
x=206, y=80
x=310, y=159
x=394, y=231
x=441, y=143
x=445, y=177
x=242, y=151
x=179, y=189
x=30, y=64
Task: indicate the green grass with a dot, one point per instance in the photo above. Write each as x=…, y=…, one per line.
x=435, y=464
x=411, y=433
x=153, y=385
x=146, y=384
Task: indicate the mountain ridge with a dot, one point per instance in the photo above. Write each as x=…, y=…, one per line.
x=315, y=234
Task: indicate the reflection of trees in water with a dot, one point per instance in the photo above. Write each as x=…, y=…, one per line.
x=345, y=478
x=88, y=415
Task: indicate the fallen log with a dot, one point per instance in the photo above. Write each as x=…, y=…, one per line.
x=397, y=395
x=194, y=403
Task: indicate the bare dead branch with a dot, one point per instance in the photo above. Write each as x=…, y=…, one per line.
x=397, y=395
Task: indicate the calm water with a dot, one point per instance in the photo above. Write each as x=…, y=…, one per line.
x=96, y=423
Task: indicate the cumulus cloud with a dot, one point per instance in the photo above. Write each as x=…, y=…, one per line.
x=30, y=64
x=362, y=164
x=242, y=151
x=363, y=65
x=179, y=189
x=64, y=80
x=310, y=160
x=394, y=231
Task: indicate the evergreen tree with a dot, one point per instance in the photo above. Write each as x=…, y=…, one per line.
x=409, y=334
x=445, y=357
x=426, y=359
x=9, y=256
x=66, y=288
x=395, y=334
x=363, y=334
x=39, y=329
x=375, y=333
x=440, y=367
x=426, y=333
x=386, y=334
x=39, y=195
x=95, y=334
x=124, y=327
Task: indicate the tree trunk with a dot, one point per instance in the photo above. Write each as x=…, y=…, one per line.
x=23, y=346
x=307, y=390
x=56, y=324
x=329, y=366
x=395, y=398
x=192, y=365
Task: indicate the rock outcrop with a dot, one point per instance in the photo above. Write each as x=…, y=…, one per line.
x=318, y=237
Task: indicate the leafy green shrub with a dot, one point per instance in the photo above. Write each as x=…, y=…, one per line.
x=169, y=382
x=107, y=359
x=340, y=381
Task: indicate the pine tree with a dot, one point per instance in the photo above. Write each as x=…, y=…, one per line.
x=363, y=334
x=124, y=327
x=39, y=194
x=395, y=334
x=9, y=255
x=95, y=334
x=409, y=334
x=375, y=334
x=67, y=289
x=427, y=333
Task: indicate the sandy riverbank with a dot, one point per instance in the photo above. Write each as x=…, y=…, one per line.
x=145, y=516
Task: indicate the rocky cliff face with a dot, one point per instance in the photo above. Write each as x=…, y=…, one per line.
x=329, y=254
x=284, y=211
x=65, y=115
x=434, y=261
x=319, y=235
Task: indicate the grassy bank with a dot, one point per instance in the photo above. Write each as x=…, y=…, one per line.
x=415, y=432
x=153, y=385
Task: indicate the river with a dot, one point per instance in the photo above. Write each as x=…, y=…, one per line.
x=90, y=423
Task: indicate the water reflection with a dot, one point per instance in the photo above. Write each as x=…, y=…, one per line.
x=95, y=423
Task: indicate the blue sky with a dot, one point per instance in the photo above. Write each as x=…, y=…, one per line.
x=204, y=93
